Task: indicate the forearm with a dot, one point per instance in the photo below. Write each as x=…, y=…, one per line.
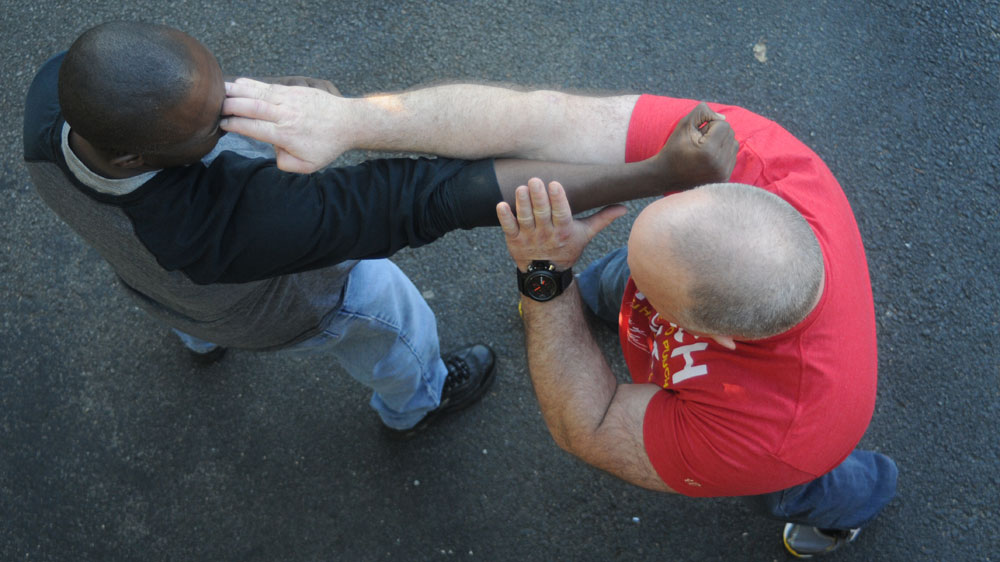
x=474, y=121
x=572, y=380
x=588, y=186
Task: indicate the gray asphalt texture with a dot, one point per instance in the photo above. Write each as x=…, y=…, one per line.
x=113, y=446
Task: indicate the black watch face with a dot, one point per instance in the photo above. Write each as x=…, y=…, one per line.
x=541, y=285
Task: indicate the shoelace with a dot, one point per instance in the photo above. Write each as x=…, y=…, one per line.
x=458, y=374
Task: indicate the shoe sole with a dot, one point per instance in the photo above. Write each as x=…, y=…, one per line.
x=788, y=547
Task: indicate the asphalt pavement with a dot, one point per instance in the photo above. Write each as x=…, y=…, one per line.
x=113, y=446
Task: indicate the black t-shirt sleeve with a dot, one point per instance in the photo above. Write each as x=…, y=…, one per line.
x=42, y=114
x=240, y=219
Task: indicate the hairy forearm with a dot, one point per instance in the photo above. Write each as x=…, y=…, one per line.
x=572, y=380
x=458, y=120
x=474, y=121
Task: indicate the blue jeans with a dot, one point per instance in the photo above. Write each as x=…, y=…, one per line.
x=385, y=336
x=848, y=496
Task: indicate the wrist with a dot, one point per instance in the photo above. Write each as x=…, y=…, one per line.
x=352, y=122
x=532, y=311
x=382, y=122
x=653, y=174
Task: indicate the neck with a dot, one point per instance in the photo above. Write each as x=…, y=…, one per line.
x=98, y=160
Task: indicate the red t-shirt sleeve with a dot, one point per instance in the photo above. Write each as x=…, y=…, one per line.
x=653, y=119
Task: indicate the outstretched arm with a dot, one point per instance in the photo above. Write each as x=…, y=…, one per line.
x=701, y=149
x=588, y=413
x=459, y=120
x=309, y=128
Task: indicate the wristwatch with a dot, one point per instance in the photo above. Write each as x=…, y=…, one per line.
x=542, y=282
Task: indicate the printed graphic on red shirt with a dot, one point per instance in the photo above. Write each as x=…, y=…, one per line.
x=664, y=342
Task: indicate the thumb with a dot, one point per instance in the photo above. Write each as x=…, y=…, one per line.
x=705, y=113
x=288, y=162
x=702, y=118
x=599, y=220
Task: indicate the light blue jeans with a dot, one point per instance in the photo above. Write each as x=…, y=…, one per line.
x=848, y=496
x=385, y=336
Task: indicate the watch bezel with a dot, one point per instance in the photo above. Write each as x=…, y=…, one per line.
x=540, y=270
x=535, y=279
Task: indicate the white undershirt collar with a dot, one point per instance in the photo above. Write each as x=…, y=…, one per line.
x=96, y=181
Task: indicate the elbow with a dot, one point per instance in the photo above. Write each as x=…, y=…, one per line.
x=562, y=442
x=575, y=443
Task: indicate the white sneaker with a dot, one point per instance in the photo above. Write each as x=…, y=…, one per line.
x=806, y=542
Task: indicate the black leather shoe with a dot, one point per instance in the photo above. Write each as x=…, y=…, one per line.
x=208, y=357
x=471, y=371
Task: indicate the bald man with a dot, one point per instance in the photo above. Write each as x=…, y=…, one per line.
x=123, y=141
x=745, y=309
x=746, y=319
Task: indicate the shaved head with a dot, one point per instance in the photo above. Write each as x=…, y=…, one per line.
x=727, y=259
x=140, y=87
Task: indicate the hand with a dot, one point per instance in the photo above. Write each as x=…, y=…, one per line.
x=301, y=123
x=545, y=229
x=702, y=149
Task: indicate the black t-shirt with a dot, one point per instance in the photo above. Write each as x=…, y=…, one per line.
x=239, y=219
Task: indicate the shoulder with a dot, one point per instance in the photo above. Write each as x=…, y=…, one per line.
x=42, y=114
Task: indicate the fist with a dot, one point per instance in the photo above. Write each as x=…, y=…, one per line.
x=702, y=149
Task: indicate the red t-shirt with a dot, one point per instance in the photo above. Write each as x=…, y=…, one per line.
x=777, y=412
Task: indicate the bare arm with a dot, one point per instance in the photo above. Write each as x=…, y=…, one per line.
x=459, y=120
x=307, y=128
x=587, y=412
x=701, y=149
x=474, y=121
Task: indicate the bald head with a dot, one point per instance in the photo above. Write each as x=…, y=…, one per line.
x=137, y=87
x=727, y=259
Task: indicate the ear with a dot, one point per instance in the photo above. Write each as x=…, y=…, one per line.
x=127, y=161
x=725, y=341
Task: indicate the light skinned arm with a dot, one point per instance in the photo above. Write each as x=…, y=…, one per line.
x=587, y=411
x=303, y=128
x=701, y=149
x=458, y=120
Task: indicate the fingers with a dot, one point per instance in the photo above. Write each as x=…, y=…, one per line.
x=562, y=215
x=540, y=210
x=723, y=141
x=702, y=114
x=247, y=88
x=253, y=99
x=522, y=200
x=542, y=226
x=716, y=135
x=537, y=207
x=702, y=119
x=251, y=108
x=721, y=133
x=507, y=221
x=248, y=127
x=249, y=112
